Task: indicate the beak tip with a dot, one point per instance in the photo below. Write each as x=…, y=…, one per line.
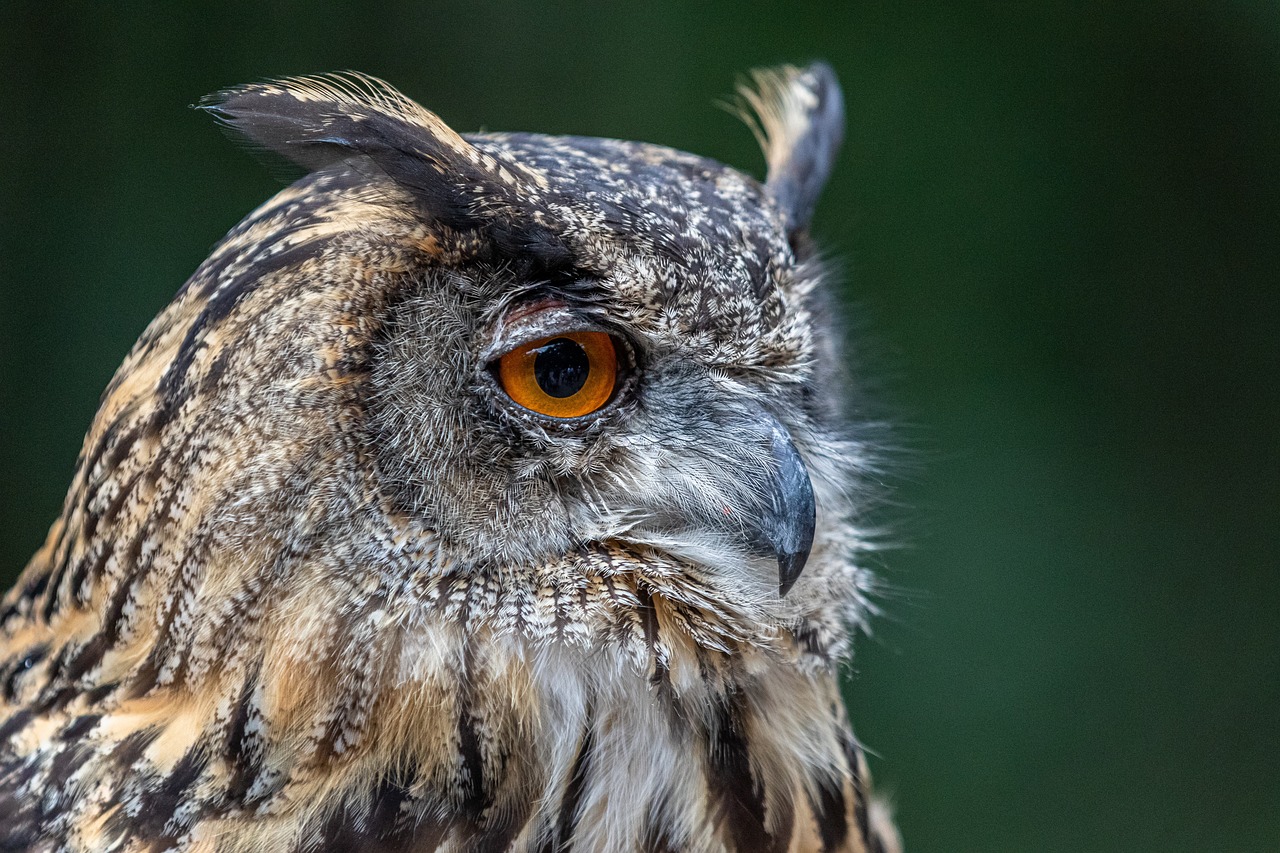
x=790, y=565
x=789, y=527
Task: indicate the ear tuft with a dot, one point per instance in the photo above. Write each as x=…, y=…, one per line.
x=322, y=120
x=797, y=116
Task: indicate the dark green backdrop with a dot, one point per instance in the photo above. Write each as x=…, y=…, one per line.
x=1058, y=226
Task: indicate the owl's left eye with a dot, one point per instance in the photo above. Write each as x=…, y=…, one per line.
x=565, y=376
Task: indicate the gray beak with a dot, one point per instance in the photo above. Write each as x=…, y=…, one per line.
x=786, y=526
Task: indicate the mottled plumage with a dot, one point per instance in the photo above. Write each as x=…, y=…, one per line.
x=319, y=584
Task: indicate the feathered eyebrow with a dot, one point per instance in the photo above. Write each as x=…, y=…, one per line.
x=571, y=289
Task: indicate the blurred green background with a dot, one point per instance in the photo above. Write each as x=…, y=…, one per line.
x=1058, y=225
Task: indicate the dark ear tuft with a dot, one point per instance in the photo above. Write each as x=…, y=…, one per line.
x=318, y=121
x=797, y=115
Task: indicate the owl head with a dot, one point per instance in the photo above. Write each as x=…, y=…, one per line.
x=590, y=340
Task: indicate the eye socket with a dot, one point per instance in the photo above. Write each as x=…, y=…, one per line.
x=565, y=376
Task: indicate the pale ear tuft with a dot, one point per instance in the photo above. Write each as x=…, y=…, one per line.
x=797, y=116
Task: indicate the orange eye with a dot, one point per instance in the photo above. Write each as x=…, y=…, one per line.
x=566, y=376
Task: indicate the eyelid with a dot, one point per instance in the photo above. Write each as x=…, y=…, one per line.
x=534, y=325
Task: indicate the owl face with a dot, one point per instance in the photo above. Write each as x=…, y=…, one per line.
x=644, y=385
x=562, y=341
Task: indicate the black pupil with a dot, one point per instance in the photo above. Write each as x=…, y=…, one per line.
x=561, y=367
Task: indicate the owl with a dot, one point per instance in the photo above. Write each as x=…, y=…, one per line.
x=477, y=493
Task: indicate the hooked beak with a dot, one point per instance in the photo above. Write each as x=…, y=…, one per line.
x=785, y=528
